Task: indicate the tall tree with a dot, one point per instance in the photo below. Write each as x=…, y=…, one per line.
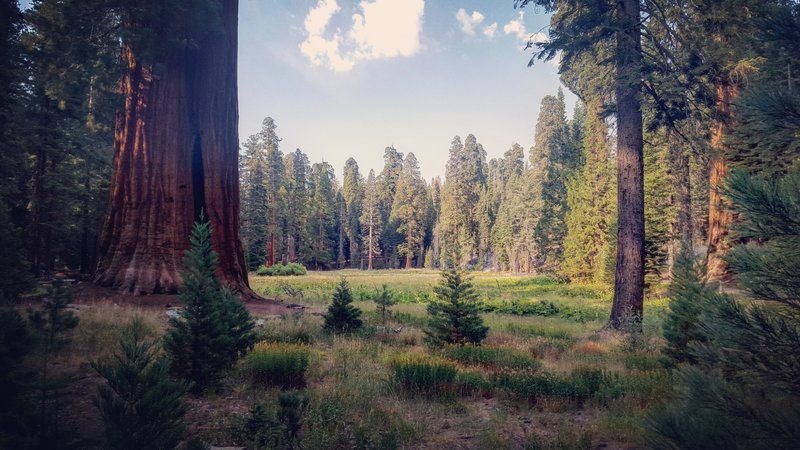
x=298, y=171
x=410, y=209
x=371, y=218
x=176, y=147
x=591, y=202
x=552, y=162
x=353, y=193
x=322, y=217
x=575, y=27
x=393, y=165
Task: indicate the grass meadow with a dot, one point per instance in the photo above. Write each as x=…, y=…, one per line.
x=549, y=376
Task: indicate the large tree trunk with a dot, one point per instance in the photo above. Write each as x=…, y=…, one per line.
x=626, y=311
x=719, y=217
x=175, y=154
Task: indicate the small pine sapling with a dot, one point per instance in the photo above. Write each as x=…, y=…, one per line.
x=454, y=316
x=342, y=316
x=215, y=328
x=384, y=300
x=141, y=406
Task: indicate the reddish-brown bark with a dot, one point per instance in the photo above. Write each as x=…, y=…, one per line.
x=719, y=217
x=626, y=310
x=175, y=152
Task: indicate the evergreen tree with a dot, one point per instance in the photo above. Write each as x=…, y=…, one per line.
x=298, y=171
x=591, y=203
x=371, y=220
x=353, y=193
x=410, y=209
x=739, y=384
x=384, y=300
x=323, y=212
x=391, y=238
x=552, y=163
x=16, y=343
x=141, y=406
x=342, y=316
x=214, y=328
x=454, y=316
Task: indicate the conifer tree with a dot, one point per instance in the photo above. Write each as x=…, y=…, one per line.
x=214, y=328
x=298, y=171
x=323, y=212
x=353, y=193
x=738, y=385
x=141, y=406
x=342, y=316
x=591, y=203
x=410, y=209
x=16, y=343
x=384, y=300
x=453, y=317
x=371, y=220
x=391, y=238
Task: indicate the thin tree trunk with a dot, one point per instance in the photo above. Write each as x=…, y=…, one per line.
x=175, y=154
x=719, y=217
x=370, y=248
x=682, y=228
x=626, y=311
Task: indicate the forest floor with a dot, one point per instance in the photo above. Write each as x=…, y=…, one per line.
x=597, y=388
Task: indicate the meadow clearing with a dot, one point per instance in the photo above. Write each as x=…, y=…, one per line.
x=549, y=376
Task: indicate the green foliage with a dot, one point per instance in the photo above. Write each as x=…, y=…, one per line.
x=342, y=316
x=282, y=270
x=491, y=357
x=423, y=374
x=141, y=406
x=15, y=276
x=409, y=209
x=284, y=431
x=454, y=315
x=384, y=300
x=740, y=387
x=687, y=294
x=278, y=364
x=215, y=328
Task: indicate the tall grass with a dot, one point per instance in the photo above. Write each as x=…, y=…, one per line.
x=278, y=364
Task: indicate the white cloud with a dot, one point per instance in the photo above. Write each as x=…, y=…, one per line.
x=469, y=21
x=381, y=29
x=516, y=27
x=490, y=30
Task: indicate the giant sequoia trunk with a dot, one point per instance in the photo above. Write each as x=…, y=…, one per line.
x=175, y=154
x=719, y=217
x=626, y=310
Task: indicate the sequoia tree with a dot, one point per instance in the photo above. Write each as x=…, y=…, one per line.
x=176, y=147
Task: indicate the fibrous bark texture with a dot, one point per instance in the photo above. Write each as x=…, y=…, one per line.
x=175, y=154
x=626, y=310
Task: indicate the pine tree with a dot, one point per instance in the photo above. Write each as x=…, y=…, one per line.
x=590, y=196
x=454, y=316
x=384, y=300
x=410, y=209
x=353, y=193
x=298, y=171
x=16, y=343
x=323, y=212
x=738, y=387
x=342, y=316
x=391, y=238
x=214, y=328
x=371, y=220
x=141, y=406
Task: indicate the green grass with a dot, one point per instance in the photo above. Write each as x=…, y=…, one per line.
x=278, y=364
x=420, y=373
x=491, y=357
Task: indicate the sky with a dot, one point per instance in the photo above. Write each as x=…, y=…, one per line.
x=347, y=78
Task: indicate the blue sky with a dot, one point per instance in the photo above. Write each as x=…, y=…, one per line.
x=347, y=78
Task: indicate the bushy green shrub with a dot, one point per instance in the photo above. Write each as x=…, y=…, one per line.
x=278, y=364
x=491, y=356
x=282, y=270
x=342, y=316
x=422, y=373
